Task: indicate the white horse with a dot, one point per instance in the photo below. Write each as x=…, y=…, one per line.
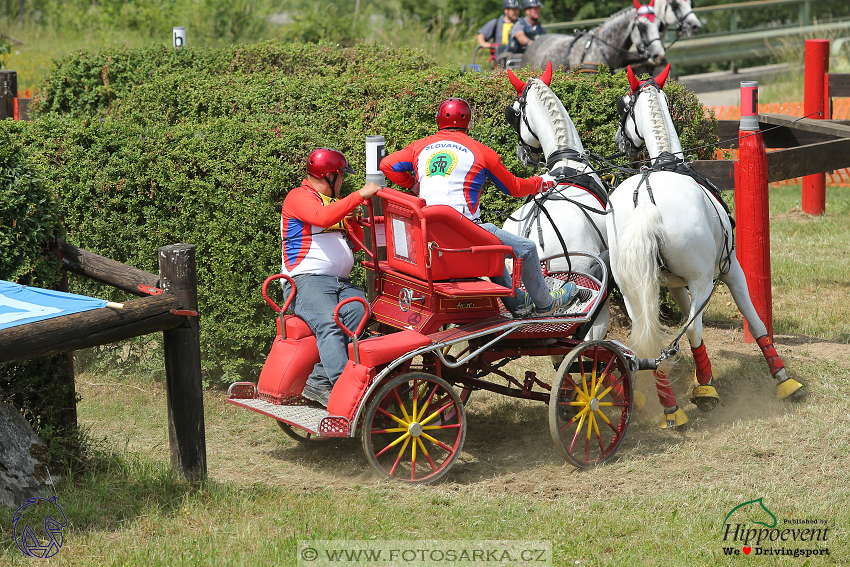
x=665, y=228
x=677, y=13
x=543, y=126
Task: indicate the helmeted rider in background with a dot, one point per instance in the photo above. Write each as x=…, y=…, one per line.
x=495, y=34
x=313, y=226
x=450, y=168
x=527, y=28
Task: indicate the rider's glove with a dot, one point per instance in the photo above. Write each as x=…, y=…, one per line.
x=547, y=182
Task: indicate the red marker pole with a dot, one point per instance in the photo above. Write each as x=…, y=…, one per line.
x=751, y=209
x=817, y=65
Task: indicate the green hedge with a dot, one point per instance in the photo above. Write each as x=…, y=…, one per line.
x=205, y=155
x=29, y=225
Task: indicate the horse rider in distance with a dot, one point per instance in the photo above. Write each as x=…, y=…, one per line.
x=495, y=34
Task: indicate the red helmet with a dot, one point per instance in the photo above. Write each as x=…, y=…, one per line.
x=454, y=113
x=323, y=161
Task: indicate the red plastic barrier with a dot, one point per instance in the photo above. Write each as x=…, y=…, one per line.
x=752, y=217
x=817, y=65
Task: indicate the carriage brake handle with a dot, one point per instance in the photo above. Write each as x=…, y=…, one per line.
x=367, y=314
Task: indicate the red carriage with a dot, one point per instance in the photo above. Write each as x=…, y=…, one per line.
x=441, y=333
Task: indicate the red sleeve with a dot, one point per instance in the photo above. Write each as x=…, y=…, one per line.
x=398, y=167
x=307, y=206
x=506, y=181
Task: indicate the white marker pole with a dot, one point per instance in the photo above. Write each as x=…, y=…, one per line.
x=178, y=34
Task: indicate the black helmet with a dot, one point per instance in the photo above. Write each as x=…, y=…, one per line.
x=531, y=4
x=510, y=4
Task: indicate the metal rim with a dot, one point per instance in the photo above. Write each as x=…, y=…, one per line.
x=591, y=405
x=298, y=434
x=414, y=428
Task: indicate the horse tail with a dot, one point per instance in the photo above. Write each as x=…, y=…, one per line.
x=639, y=271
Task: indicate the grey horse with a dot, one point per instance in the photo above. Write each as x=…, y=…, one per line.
x=608, y=44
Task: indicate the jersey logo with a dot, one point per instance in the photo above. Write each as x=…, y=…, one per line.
x=442, y=164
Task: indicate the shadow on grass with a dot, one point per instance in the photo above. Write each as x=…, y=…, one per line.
x=510, y=437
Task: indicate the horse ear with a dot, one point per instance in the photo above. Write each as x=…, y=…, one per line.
x=651, y=3
x=637, y=4
x=547, y=74
x=662, y=76
x=633, y=81
x=519, y=86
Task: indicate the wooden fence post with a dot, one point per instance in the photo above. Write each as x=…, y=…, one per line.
x=752, y=215
x=184, y=390
x=8, y=92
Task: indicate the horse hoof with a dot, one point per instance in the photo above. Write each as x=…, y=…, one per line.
x=789, y=387
x=674, y=420
x=705, y=397
x=696, y=381
x=639, y=400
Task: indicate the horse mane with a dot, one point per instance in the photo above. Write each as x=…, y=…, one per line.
x=659, y=128
x=617, y=14
x=559, y=125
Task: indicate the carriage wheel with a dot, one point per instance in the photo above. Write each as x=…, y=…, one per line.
x=414, y=428
x=591, y=405
x=300, y=435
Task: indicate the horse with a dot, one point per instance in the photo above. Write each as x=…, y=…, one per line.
x=544, y=126
x=666, y=227
x=608, y=44
x=679, y=14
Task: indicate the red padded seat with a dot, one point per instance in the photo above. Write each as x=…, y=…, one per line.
x=380, y=350
x=294, y=327
x=413, y=229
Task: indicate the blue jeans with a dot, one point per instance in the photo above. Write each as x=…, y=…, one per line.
x=532, y=275
x=316, y=297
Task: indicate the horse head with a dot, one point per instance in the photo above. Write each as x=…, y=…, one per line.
x=540, y=120
x=645, y=32
x=648, y=117
x=679, y=14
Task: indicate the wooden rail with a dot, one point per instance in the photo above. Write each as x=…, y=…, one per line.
x=809, y=147
x=169, y=304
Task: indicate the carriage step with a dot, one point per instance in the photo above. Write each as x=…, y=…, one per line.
x=303, y=416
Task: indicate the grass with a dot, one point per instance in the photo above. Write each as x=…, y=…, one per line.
x=661, y=502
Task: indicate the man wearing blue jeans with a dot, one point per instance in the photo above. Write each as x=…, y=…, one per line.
x=316, y=255
x=450, y=168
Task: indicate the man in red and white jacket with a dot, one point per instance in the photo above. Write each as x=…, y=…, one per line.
x=316, y=255
x=450, y=168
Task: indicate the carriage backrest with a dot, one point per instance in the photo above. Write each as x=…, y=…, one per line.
x=414, y=230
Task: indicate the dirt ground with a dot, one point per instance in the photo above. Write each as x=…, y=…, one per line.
x=508, y=447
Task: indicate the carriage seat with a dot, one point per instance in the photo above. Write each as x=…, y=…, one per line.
x=380, y=350
x=294, y=327
x=415, y=231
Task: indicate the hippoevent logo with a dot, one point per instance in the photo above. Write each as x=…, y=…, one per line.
x=442, y=163
x=754, y=530
x=46, y=539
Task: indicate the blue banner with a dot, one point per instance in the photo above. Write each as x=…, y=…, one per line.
x=20, y=304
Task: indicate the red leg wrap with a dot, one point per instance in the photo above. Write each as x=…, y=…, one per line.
x=662, y=386
x=703, y=364
x=767, y=349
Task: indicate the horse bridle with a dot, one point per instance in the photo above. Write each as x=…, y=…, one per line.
x=513, y=118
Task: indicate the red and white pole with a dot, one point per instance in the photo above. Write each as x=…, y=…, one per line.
x=752, y=216
x=817, y=65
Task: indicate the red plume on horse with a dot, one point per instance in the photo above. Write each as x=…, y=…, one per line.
x=519, y=85
x=636, y=83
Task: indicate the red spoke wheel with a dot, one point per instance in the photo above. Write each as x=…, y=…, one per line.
x=300, y=435
x=414, y=428
x=591, y=404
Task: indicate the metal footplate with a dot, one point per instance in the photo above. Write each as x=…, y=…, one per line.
x=312, y=419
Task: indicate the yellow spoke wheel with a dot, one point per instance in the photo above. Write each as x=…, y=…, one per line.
x=591, y=403
x=414, y=428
